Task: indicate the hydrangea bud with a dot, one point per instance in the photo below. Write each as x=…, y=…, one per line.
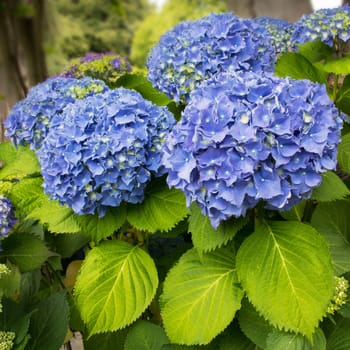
x=245, y=138
x=6, y=340
x=196, y=50
x=103, y=150
x=104, y=66
x=324, y=24
x=29, y=120
x=7, y=216
x=340, y=295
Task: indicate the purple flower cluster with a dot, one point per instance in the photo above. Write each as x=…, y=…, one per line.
x=105, y=66
x=29, y=120
x=196, y=50
x=103, y=150
x=280, y=32
x=247, y=138
x=325, y=25
x=7, y=216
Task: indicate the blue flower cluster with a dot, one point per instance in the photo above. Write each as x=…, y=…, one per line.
x=103, y=150
x=29, y=120
x=7, y=216
x=247, y=138
x=105, y=66
x=195, y=50
x=324, y=24
x=280, y=32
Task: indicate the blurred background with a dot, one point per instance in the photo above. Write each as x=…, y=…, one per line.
x=40, y=37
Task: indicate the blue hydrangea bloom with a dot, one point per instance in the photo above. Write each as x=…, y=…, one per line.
x=280, y=32
x=102, y=150
x=247, y=138
x=7, y=216
x=195, y=50
x=324, y=24
x=29, y=120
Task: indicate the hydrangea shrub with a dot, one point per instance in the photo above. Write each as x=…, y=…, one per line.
x=29, y=120
x=196, y=50
x=103, y=150
x=225, y=227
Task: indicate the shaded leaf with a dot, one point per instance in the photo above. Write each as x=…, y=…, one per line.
x=114, y=276
x=344, y=154
x=200, y=294
x=145, y=335
x=289, y=264
x=333, y=222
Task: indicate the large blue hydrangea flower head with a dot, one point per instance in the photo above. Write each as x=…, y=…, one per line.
x=324, y=24
x=280, y=32
x=249, y=138
x=29, y=120
x=107, y=66
x=195, y=50
x=103, y=150
x=7, y=216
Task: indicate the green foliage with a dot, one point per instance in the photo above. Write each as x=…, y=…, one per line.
x=344, y=154
x=156, y=24
x=201, y=294
x=292, y=269
x=115, y=276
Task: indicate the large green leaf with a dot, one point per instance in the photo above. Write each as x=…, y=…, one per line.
x=20, y=163
x=296, y=213
x=339, y=339
x=287, y=273
x=233, y=338
x=331, y=188
x=107, y=341
x=315, y=51
x=344, y=154
x=278, y=340
x=145, y=335
x=116, y=283
x=205, y=237
x=26, y=251
x=338, y=65
x=333, y=222
x=342, y=100
x=99, y=228
x=161, y=209
x=49, y=324
x=200, y=296
x=297, y=66
x=142, y=85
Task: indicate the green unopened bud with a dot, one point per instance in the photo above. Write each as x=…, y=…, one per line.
x=340, y=295
x=4, y=270
x=6, y=340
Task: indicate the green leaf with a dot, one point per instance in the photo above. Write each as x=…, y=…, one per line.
x=107, y=341
x=28, y=195
x=49, y=324
x=336, y=65
x=296, y=213
x=253, y=325
x=26, y=251
x=145, y=335
x=58, y=218
x=331, y=188
x=22, y=162
x=161, y=210
x=339, y=339
x=233, y=338
x=296, y=66
x=10, y=283
x=342, y=100
x=141, y=84
x=67, y=244
x=333, y=222
x=116, y=283
x=200, y=295
x=278, y=340
x=99, y=228
x=344, y=154
x=315, y=51
x=205, y=238
x=288, y=263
